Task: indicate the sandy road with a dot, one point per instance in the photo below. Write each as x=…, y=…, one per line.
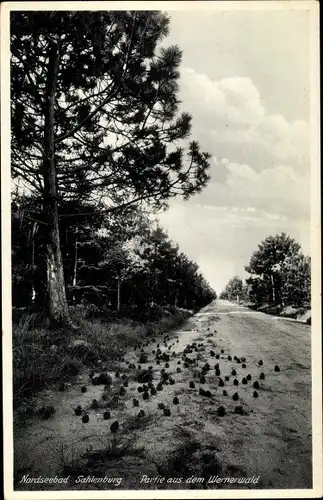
x=276, y=442
x=271, y=440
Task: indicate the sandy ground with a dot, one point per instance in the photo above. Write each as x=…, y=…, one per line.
x=270, y=441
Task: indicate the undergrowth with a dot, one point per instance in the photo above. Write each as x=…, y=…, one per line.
x=42, y=357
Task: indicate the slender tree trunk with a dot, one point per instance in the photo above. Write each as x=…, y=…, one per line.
x=118, y=293
x=58, y=308
x=273, y=289
x=75, y=267
x=33, y=292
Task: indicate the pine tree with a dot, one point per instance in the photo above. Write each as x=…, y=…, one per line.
x=95, y=118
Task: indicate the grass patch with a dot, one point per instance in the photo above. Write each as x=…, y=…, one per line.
x=42, y=357
x=98, y=461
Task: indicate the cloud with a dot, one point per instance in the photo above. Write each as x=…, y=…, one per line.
x=281, y=190
x=222, y=239
x=231, y=111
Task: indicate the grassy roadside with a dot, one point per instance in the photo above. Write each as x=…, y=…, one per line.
x=302, y=314
x=43, y=357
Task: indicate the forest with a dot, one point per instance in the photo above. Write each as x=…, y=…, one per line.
x=98, y=147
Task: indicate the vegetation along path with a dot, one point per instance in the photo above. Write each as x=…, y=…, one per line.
x=233, y=399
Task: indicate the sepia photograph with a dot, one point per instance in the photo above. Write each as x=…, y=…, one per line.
x=161, y=249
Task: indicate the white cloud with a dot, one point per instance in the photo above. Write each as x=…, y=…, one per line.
x=281, y=190
x=248, y=93
x=231, y=110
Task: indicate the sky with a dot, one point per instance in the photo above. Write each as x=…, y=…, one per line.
x=245, y=81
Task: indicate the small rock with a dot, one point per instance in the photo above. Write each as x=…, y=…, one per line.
x=161, y=406
x=236, y=382
x=48, y=412
x=239, y=410
x=248, y=376
x=83, y=388
x=221, y=411
x=255, y=394
x=78, y=410
x=255, y=385
x=244, y=381
x=192, y=385
x=106, y=415
x=175, y=400
x=262, y=376
x=260, y=363
x=225, y=393
x=114, y=427
x=135, y=402
x=277, y=369
x=235, y=396
x=167, y=412
x=233, y=372
x=85, y=418
x=62, y=386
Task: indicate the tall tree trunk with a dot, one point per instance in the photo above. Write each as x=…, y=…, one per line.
x=75, y=267
x=58, y=308
x=118, y=293
x=273, y=291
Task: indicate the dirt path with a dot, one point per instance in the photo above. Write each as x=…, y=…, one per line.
x=270, y=441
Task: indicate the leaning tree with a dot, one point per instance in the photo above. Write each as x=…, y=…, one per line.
x=95, y=119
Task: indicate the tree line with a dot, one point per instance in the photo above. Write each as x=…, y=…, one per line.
x=126, y=263
x=279, y=275
x=97, y=140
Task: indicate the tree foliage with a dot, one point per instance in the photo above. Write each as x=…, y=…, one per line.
x=267, y=265
x=117, y=125
x=234, y=290
x=121, y=250
x=279, y=275
x=95, y=121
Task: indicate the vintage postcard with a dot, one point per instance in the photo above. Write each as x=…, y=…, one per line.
x=161, y=253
